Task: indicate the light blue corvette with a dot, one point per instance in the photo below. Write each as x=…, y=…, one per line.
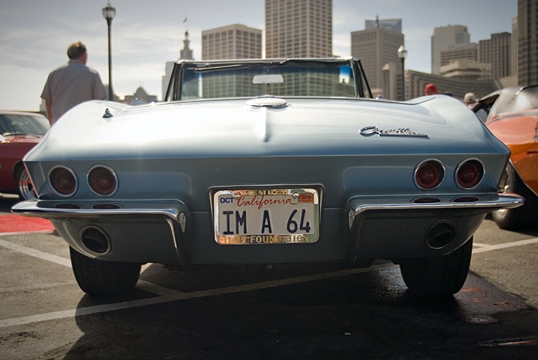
x=268, y=162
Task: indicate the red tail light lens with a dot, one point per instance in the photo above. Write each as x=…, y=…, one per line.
x=102, y=181
x=429, y=174
x=469, y=173
x=63, y=181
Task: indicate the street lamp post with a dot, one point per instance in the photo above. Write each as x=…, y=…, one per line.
x=109, y=13
x=402, y=54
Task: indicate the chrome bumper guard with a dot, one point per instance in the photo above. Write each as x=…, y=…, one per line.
x=485, y=204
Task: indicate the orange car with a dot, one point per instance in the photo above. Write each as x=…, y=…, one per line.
x=511, y=114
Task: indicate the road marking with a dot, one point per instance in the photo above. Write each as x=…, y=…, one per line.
x=178, y=295
x=485, y=247
x=166, y=295
x=35, y=253
x=25, y=232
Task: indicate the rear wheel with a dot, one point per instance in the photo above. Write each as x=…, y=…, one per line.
x=25, y=189
x=520, y=218
x=440, y=275
x=98, y=277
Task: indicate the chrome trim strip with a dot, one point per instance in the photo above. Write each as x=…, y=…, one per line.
x=30, y=208
x=174, y=238
x=502, y=202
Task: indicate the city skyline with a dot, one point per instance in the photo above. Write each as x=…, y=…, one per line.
x=35, y=35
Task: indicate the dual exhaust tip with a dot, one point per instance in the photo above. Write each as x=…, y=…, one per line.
x=95, y=240
x=441, y=234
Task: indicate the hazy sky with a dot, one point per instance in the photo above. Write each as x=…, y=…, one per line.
x=34, y=35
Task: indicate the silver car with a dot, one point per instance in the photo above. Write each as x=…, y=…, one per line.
x=268, y=162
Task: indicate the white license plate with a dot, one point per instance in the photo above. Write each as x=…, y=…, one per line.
x=266, y=216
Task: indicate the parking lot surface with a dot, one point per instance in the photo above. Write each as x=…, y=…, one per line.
x=280, y=312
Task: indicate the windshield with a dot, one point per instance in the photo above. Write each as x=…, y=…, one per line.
x=521, y=100
x=328, y=79
x=22, y=124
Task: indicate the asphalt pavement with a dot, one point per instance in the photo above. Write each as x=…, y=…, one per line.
x=317, y=312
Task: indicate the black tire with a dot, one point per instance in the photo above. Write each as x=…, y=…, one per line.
x=98, y=277
x=438, y=276
x=25, y=189
x=520, y=218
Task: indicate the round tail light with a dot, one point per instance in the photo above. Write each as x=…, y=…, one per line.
x=102, y=181
x=63, y=181
x=429, y=174
x=469, y=173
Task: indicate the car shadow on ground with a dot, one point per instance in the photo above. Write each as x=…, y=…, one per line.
x=7, y=201
x=362, y=315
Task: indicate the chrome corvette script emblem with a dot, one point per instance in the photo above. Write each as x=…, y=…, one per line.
x=372, y=130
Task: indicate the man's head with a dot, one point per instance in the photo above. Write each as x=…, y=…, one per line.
x=77, y=51
x=430, y=89
x=469, y=98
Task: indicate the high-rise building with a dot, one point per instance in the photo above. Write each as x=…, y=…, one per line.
x=389, y=24
x=444, y=37
x=375, y=48
x=459, y=52
x=496, y=51
x=232, y=42
x=298, y=28
x=527, y=22
x=514, y=53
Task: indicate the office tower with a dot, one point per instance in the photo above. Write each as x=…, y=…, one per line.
x=459, y=52
x=496, y=51
x=514, y=53
x=442, y=38
x=298, y=28
x=389, y=24
x=376, y=47
x=228, y=42
x=527, y=22
x=232, y=42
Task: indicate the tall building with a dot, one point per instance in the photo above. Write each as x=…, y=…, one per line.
x=184, y=54
x=527, y=22
x=389, y=24
x=459, y=52
x=514, y=53
x=377, y=47
x=444, y=37
x=496, y=51
x=232, y=42
x=298, y=28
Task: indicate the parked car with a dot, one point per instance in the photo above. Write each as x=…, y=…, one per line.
x=511, y=114
x=268, y=162
x=19, y=132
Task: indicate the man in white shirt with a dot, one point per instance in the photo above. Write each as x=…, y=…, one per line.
x=71, y=84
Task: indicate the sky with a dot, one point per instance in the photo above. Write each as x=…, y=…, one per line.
x=35, y=34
